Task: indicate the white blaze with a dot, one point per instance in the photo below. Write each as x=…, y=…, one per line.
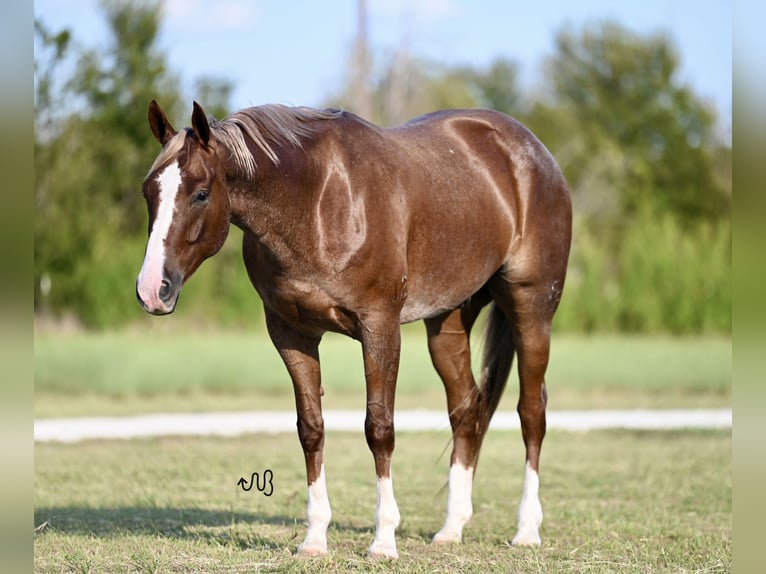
x=150, y=277
x=530, y=511
x=318, y=515
x=386, y=521
x=459, y=507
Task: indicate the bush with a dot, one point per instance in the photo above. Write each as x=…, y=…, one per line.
x=657, y=276
x=101, y=290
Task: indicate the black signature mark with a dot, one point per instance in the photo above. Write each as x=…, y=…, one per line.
x=266, y=485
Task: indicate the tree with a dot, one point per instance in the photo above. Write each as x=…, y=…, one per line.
x=407, y=86
x=214, y=93
x=650, y=185
x=117, y=88
x=496, y=87
x=619, y=117
x=51, y=50
x=650, y=181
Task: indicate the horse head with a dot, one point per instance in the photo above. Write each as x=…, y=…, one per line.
x=188, y=206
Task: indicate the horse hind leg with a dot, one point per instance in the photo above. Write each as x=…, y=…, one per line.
x=530, y=307
x=449, y=346
x=534, y=349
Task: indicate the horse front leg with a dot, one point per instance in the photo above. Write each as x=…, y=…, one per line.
x=381, y=347
x=301, y=356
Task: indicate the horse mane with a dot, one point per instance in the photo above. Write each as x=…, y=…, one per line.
x=268, y=126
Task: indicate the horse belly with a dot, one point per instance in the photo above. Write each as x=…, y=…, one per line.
x=445, y=286
x=417, y=309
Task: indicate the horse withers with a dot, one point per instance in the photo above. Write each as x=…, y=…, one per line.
x=357, y=229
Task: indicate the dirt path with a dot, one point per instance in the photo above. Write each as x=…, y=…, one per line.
x=235, y=423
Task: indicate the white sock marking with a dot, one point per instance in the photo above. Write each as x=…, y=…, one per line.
x=318, y=515
x=150, y=277
x=386, y=521
x=459, y=506
x=530, y=511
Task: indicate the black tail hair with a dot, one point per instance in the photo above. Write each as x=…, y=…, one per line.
x=499, y=350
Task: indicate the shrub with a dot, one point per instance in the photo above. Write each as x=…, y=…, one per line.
x=656, y=276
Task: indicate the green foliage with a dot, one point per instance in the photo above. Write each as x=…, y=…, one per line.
x=664, y=278
x=408, y=86
x=650, y=186
x=215, y=93
x=675, y=279
x=616, y=92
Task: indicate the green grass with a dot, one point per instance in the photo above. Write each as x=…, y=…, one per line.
x=131, y=372
x=613, y=502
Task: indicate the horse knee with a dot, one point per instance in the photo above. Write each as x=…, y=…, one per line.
x=533, y=424
x=311, y=434
x=379, y=432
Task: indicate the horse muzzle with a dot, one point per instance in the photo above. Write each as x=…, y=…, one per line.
x=159, y=300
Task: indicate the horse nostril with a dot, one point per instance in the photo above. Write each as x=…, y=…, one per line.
x=165, y=290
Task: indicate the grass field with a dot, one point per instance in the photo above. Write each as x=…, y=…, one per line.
x=132, y=372
x=613, y=501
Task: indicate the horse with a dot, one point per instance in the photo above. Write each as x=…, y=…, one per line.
x=352, y=228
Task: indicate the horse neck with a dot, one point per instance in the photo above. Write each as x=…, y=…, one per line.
x=260, y=203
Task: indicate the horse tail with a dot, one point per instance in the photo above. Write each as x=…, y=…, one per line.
x=499, y=350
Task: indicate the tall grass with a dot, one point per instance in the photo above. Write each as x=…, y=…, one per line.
x=195, y=369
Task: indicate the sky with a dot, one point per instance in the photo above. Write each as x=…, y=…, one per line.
x=295, y=51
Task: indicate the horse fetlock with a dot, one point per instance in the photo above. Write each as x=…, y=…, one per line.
x=459, y=506
x=452, y=531
x=387, y=519
x=528, y=526
x=315, y=543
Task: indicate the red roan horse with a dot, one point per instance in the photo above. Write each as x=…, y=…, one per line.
x=356, y=229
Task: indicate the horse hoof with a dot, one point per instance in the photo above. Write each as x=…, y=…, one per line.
x=526, y=539
x=380, y=552
x=447, y=538
x=312, y=551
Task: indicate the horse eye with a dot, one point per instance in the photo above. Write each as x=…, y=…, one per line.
x=201, y=196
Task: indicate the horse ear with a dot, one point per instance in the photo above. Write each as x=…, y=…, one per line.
x=200, y=125
x=159, y=124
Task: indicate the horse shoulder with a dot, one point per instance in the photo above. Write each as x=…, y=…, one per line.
x=355, y=194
